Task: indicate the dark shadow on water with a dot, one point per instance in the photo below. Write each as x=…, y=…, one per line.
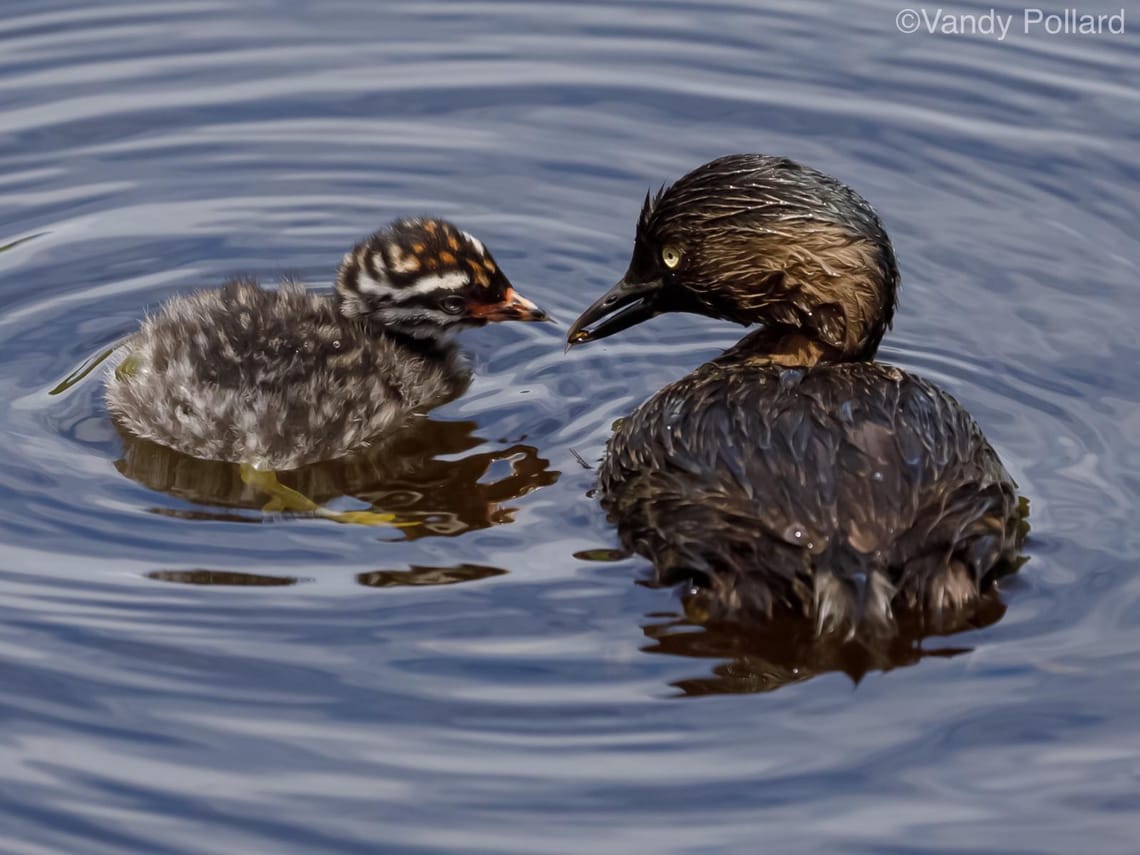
x=764, y=658
x=226, y=578
x=419, y=576
x=426, y=477
x=416, y=576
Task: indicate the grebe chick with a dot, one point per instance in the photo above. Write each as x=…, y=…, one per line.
x=793, y=474
x=280, y=379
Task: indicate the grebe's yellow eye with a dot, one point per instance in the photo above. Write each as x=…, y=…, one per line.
x=671, y=256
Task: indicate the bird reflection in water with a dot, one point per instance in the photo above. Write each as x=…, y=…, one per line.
x=764, y=657
x=426, y=478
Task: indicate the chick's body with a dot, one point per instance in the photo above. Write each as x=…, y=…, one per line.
x=277, y=379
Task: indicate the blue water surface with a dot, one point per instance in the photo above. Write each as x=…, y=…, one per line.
x=181, y=673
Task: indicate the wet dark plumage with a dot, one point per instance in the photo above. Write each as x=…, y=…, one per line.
x=794, y=475
x=762, y=484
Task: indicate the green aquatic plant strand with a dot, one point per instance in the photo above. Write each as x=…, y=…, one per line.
x=16, y=243
x=83, y=370
x=128, y=367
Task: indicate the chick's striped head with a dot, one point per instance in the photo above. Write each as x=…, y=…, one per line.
x=424, y=278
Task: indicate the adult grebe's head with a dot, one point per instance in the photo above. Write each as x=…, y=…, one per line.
x=758, y=239
x=426, y=278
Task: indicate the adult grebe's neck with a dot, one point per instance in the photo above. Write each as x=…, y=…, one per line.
x=785, y=346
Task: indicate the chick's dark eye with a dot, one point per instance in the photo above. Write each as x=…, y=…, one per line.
x=453, y=305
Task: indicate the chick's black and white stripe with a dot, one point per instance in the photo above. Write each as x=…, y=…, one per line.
x=418, y=278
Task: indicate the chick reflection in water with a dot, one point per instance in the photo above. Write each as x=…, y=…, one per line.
x=280, y=380
x=403, y=479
